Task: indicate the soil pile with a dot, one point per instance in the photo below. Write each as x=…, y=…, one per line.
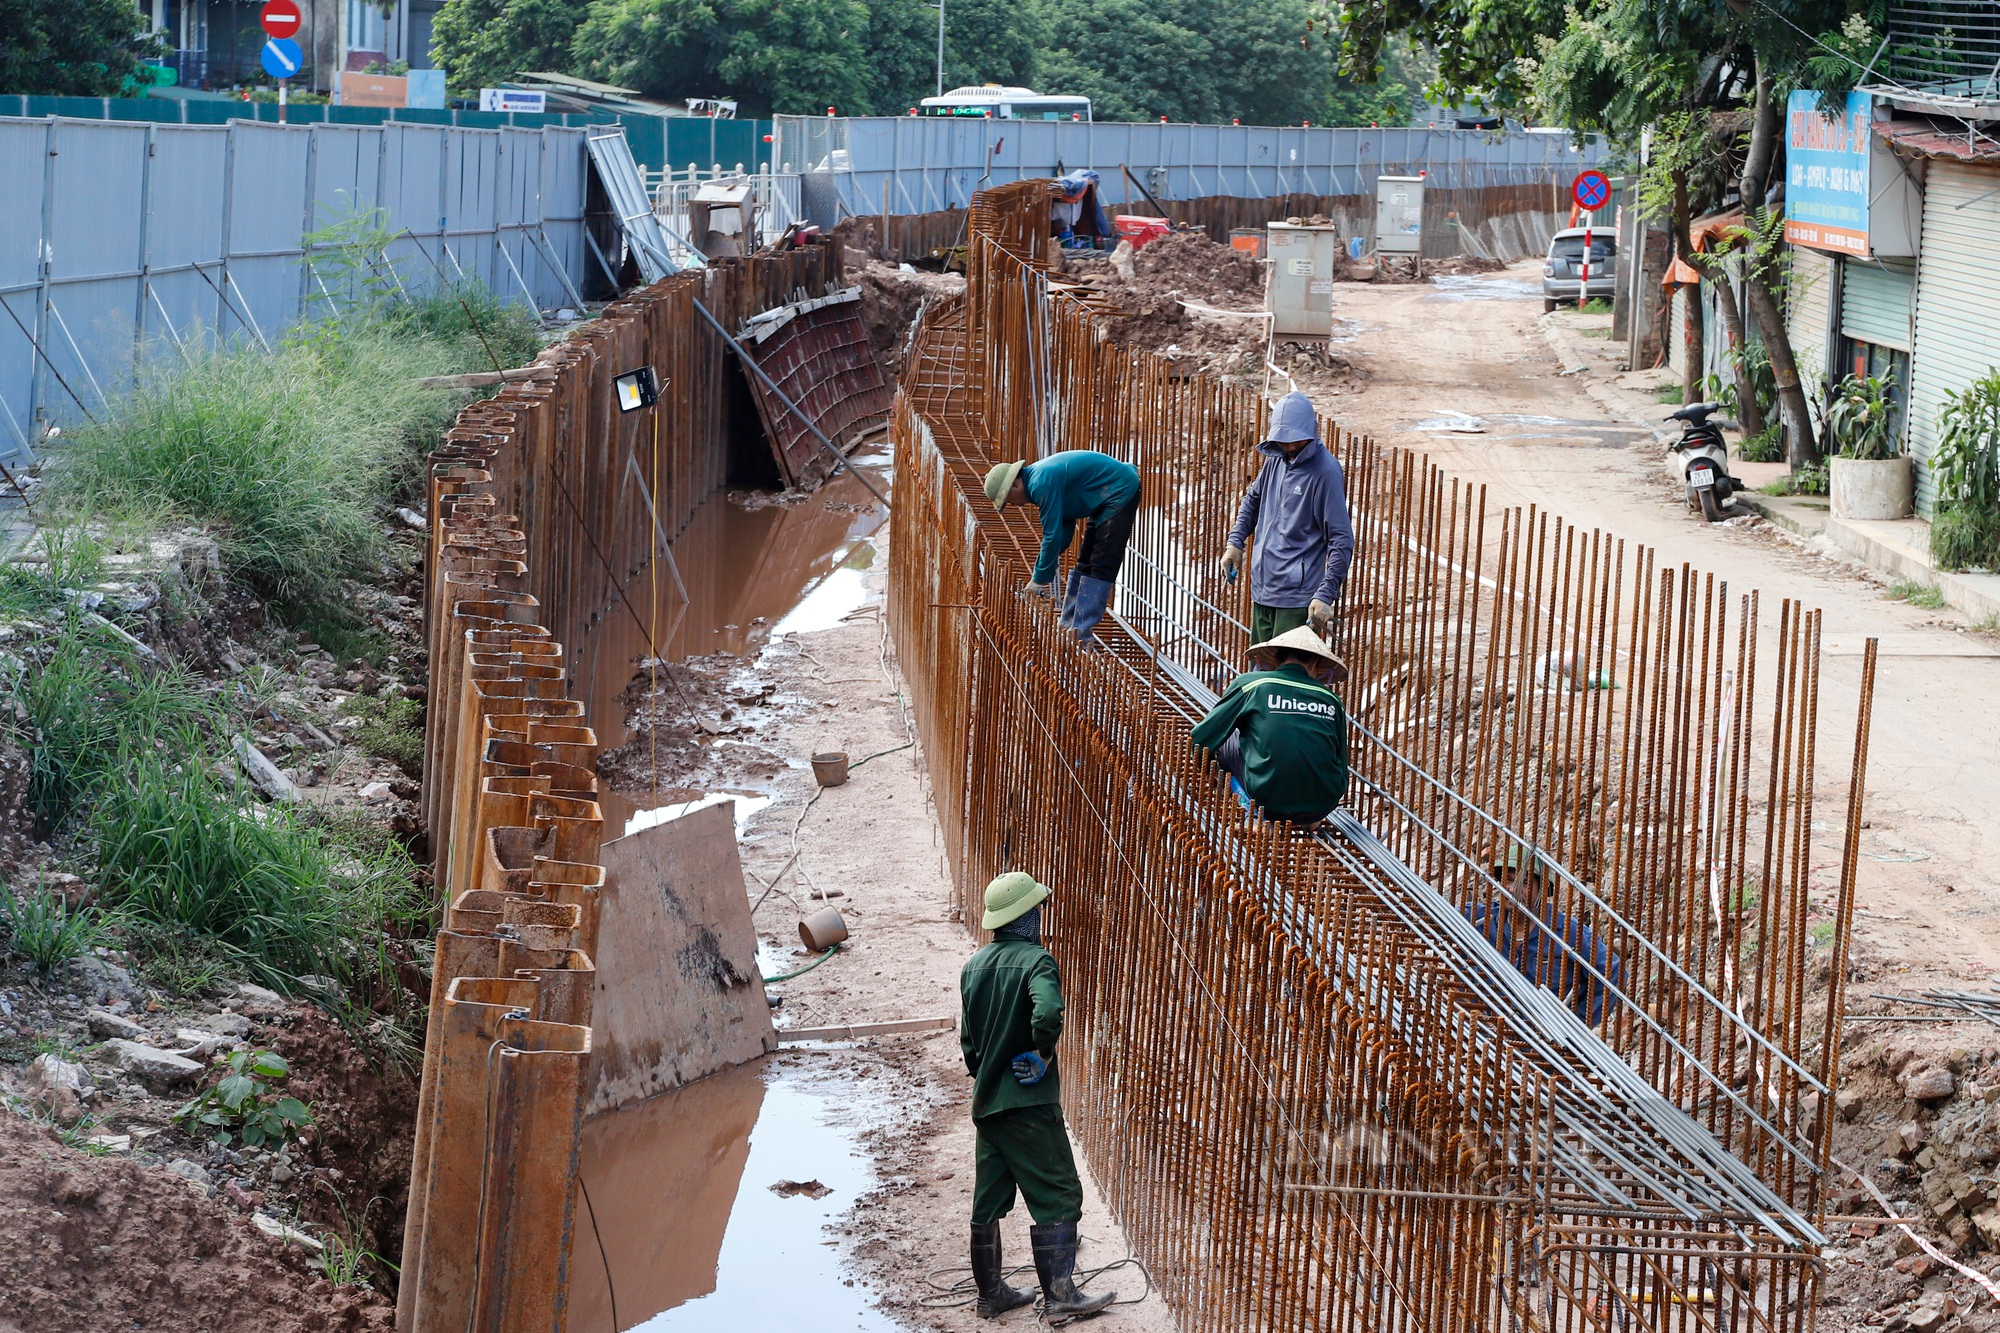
x=891, y=297
x=95, y=1243
x=1191, y=265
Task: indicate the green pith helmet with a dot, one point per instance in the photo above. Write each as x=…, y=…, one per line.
x=1513, y=856
x=1000, y=480
x=1009, y=897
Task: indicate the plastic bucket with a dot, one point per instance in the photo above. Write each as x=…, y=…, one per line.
x=822, y=930
x=830, y=767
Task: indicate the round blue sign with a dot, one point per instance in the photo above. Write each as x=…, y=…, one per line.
x=1590, y=190
x=283, y=58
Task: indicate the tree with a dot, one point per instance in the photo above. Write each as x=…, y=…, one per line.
x=1620, y=66
x=483, y=43
x=990, y=41
x=1188, y=60
x=793, y=57
x=1388, y=98
x=71, y=48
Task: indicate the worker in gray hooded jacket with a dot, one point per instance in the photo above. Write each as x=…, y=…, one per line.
x=1294, y=521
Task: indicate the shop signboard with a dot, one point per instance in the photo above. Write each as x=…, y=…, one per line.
x=1826, y=174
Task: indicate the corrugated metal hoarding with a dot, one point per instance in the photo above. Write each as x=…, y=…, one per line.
x=120, y=234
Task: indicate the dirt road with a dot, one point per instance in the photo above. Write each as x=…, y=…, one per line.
x=1469, y=353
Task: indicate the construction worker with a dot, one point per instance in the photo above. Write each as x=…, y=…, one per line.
x=1561, y=952
x=1294, y=518
x=1077, y=484
x=1012, y=1016
x=1281, y=731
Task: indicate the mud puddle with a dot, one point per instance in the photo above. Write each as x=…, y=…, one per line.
x=745, y=560
x=1467, y=287
x=712, y=1204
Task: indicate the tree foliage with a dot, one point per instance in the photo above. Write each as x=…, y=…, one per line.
x=1188, y=60
x=71, y=48
x=482, y=43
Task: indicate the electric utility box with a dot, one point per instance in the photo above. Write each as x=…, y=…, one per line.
x=1399, y=215
x=1300, y=293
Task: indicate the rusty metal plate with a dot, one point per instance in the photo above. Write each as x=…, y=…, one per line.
x=822, y=361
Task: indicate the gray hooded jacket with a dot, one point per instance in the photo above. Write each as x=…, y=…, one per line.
x=1297, y=513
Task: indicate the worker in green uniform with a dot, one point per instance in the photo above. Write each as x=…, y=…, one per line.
x=1013, y=1006
x=1281, y=731
x=1076, y=485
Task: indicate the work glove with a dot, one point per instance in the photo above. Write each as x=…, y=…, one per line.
x=1319, y=615
x=1232, y=563
x=1029, y=1068
x=1034, y=590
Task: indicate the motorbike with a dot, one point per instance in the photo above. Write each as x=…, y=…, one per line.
x=1702, y=457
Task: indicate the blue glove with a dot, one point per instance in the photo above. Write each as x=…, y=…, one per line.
x=1029, y=1069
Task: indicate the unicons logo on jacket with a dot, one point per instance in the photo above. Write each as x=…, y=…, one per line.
x=1285, y=703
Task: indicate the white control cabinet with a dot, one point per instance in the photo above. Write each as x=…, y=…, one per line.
x=1300, y=293
x=1399, y=215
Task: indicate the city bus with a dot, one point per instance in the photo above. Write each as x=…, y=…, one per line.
x=1001, y=103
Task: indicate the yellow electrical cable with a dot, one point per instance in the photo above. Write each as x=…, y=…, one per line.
x=653, y=633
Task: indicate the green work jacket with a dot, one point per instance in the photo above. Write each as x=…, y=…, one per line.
x=1294, y=739
x=1012, y=1002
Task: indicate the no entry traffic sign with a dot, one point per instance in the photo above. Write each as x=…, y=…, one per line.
x=1591, y=190
x=282, y=58
x=281, y=18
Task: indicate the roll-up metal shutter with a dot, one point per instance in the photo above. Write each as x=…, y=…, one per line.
x=1807, y=312
x=1878, y=300
x=1958, y=291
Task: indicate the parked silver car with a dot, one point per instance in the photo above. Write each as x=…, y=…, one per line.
x=1562, y=271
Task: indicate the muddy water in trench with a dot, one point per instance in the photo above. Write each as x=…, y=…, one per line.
x=695, y=1236
x=749, y=573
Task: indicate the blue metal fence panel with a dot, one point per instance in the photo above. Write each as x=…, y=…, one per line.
x=119, y=235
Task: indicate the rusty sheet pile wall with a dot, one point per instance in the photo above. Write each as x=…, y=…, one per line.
x=1318, y=1096
x=547, y=510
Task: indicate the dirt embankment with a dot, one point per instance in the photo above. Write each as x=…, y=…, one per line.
x=90, y=1244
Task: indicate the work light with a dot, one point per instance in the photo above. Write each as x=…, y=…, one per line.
x=636, y=389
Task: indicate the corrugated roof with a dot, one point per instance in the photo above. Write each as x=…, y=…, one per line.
x=1922, y=137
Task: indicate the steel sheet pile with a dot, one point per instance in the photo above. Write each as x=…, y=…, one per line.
x=1318, y=1096
x=547, y=508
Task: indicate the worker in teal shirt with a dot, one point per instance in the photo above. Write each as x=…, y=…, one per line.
x=1072, y=486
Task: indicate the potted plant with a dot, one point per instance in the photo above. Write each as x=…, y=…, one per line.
x=1871, y=476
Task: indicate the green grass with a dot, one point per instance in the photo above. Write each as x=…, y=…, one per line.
x=43, y=928
x=279, y=898
x=85, y=703
x=291, y=456
x=344, y=634
x=1821, y=935
x=1595, y=333
x=1928, y=596
x=1670, y=393
x=1807, y=480
x=1597, y=305
x=392, y=728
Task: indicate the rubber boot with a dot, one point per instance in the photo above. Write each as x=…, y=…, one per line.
x=1055, y=1265
x=1093, y=599
x=1068, y=616
x=995, y=1296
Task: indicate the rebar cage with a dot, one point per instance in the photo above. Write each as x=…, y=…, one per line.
x=1317, y=1095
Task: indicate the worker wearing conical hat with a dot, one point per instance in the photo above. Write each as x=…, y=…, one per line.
x=1281, y=731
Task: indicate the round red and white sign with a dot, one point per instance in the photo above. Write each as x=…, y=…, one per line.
x=281, y=18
